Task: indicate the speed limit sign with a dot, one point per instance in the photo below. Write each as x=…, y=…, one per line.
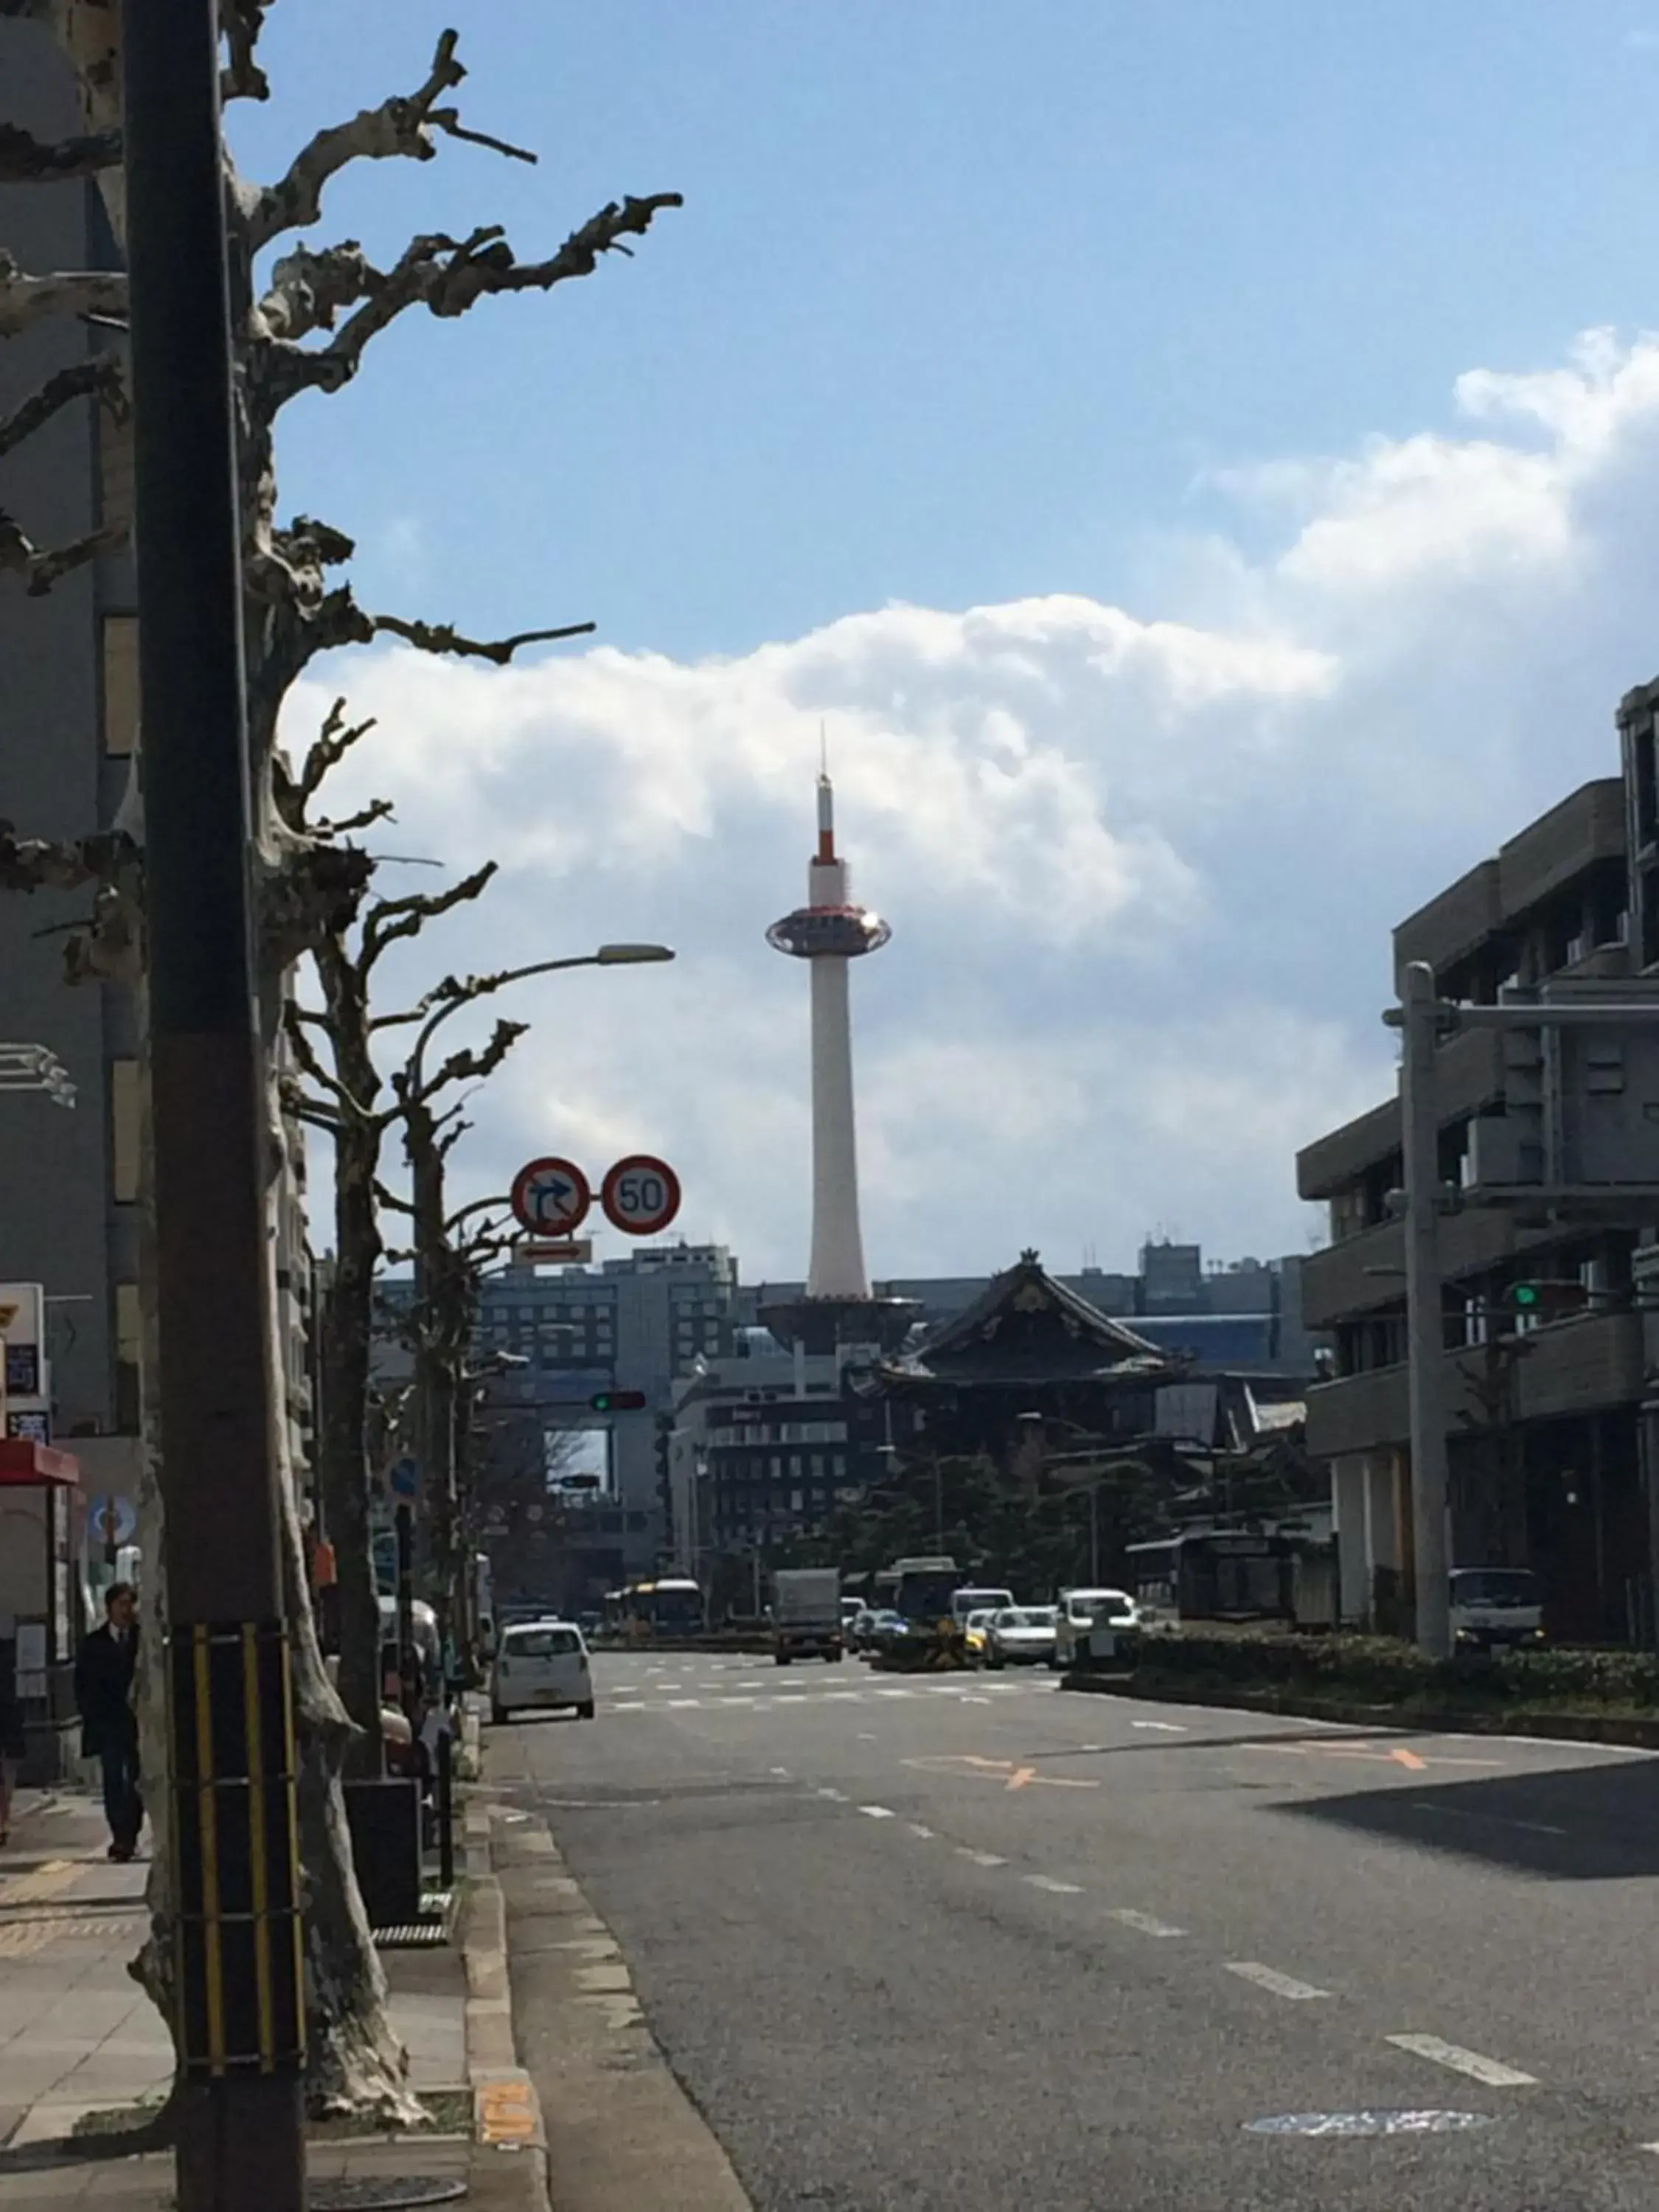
x=641, y=1195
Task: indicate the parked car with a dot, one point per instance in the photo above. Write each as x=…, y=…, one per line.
x=1090, y=1626
x=1021, y=1635
x=544, y=1664
x=974, y=1632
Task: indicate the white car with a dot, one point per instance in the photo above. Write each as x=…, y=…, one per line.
x=541, y=1664
x=1021, y=1635
x=1089, y=1625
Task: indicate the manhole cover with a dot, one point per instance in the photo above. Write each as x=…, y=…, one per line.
x=1371, y=2123
x=383, y=2195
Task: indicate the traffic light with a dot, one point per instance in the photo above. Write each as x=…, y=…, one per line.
x=1545, y=1300
x=617, y=1401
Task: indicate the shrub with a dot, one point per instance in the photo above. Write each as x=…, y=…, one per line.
x=1382, y=1670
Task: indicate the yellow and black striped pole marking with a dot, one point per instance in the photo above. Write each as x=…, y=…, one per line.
x=239, y=1952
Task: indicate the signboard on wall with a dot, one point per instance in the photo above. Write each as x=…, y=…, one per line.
x=25, y=1383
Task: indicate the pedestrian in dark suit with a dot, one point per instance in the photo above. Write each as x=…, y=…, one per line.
x=104, y=1675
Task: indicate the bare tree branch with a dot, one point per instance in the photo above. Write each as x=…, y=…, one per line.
x=444, y=274
x=439, y=637
x=473, y=1064
x=20, y=557
x=390, y=919
x=390, y=1201
x=331, y=745
x=305, y=1054
x=25, y=299
x=102, y=376
x=25, y=159
x=401, y=127
x=377, y=809
x=240, y=23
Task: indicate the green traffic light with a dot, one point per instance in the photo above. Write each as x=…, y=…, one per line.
x=1526, y=1294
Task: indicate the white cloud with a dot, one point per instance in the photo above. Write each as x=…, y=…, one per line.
x=1141, y=871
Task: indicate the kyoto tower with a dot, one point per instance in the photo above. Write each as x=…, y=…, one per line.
x=829, y=932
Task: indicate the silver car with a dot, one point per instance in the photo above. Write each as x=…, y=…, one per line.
x=1021, y=1635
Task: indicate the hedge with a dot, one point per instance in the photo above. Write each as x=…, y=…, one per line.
x=1378, y=1669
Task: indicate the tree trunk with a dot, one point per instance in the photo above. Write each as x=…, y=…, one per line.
x=342, y=1465
x=355, y=2064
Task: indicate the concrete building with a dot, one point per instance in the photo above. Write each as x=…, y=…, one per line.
x=636, y=1324
x=67, y=725
x=763, y=1445
x=1544, y=1416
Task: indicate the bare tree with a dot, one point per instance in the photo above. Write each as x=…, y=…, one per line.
x=308, y=329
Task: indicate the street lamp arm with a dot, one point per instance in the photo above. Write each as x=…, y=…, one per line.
x=469, y=989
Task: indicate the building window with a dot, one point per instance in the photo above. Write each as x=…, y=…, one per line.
x=126, y=1124
x=120, y=684
x=128, y=1355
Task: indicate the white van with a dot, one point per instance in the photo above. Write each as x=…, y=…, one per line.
x=542, y=1664
x=1089, y=1624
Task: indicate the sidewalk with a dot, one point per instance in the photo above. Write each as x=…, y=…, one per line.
x=77, y=2035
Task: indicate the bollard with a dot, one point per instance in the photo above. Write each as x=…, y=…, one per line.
x=446, y=1812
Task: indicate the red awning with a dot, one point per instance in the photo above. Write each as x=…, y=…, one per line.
x=23, y=1461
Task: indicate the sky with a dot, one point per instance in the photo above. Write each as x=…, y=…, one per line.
x=1197, y=461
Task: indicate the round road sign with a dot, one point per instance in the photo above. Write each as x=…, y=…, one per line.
x=550, y=1197
x=641, y=1195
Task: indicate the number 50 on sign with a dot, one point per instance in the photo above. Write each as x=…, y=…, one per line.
x=641, y=1195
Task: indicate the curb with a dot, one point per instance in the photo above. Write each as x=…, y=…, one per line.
x=1565, y=1727
x=509, y=2154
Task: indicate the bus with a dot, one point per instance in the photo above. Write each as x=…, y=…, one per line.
x=1213, y=1574
x=918, y=1589
x=667, y=1606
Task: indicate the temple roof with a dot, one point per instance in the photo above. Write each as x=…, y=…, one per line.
x=1028, y=1326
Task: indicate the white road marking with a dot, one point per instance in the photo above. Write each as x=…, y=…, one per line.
x=878, y=1813
x=1489, y=2070
x=684, y=1704
x=968, y=1698
x=783, y=1770
x=843, y=1697
x=1268, y=1977
x=917, y=1829
x=1166, y=1728
x=737, y=1701
x=756, y=1685
x=1058, y=1888
x=980, y=1859
x=835, y=1796
x=897, y=1694
x=1487, y=1819
x=1143, y=1923
x=790, y=1698
x=629, y=1709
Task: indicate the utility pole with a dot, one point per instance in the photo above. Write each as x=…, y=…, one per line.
x=1424, y=1328
x=240, y=2025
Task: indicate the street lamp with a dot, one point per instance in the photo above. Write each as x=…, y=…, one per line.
x=437, y=1384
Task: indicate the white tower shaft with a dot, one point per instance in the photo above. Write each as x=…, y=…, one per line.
x=836, y=1269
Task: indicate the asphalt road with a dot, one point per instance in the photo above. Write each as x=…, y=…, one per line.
x=971, y=1942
